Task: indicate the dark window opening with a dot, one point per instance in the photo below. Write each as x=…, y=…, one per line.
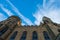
x=58, y=30
x=34, y=36
x=23, y=37
x=58, y=37
x=3, y=31
x=46, y=35
x=13, y=35
x=1, y=25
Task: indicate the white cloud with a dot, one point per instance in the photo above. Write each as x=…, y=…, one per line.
x=38, y=18
x=54, y=15
x=51, y=12
x=48, y=10
x=23, y=24
x=6, y=10
x=20, y=15
x=2, y=17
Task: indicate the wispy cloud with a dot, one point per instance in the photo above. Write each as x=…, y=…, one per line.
x=49, y=10
x=23, y=24
x=38, y=18
x=2, y=17
x=20, y=15
x=6, y=10
x=48, y=3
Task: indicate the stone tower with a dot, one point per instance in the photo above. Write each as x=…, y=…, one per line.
x=11, y=29
x=7, y=26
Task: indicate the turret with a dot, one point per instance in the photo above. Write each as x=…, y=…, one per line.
x=8, y=25
x=47, y=20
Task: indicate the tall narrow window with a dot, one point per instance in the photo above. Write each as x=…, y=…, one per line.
x=1, y=25
x=34, y=36
x=3, y=31
x=23, y=37
x=13, y=35
x=46, y=35
x=58, y=37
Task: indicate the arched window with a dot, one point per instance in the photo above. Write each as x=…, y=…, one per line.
x=46, y=35
x=23, y=37
x=13, y=35
x=58, y=30
x=58, y=37
x=3, y=31
x=34, y=36
x=1, y=25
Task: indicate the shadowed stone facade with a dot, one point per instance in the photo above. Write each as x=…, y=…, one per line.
x=11, y=29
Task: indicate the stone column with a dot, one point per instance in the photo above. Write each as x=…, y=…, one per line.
x=18, y=36
x=52, y=31
x=40, y=36
x=29, y=35
x=2, y=27
x=5, y=35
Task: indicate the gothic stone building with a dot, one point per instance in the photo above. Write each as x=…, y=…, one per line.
x=11, y=29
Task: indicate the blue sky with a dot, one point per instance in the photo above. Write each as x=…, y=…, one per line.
x=31, y=12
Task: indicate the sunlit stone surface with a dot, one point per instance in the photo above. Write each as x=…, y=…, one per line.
x=11, y=29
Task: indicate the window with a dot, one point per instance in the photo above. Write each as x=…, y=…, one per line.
x=58, y=30
x=34, y=36
x=13, y=35
x=3, y=31
x=46, y=35
x=1, y=25
x=23, y=37
x=58, y=37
